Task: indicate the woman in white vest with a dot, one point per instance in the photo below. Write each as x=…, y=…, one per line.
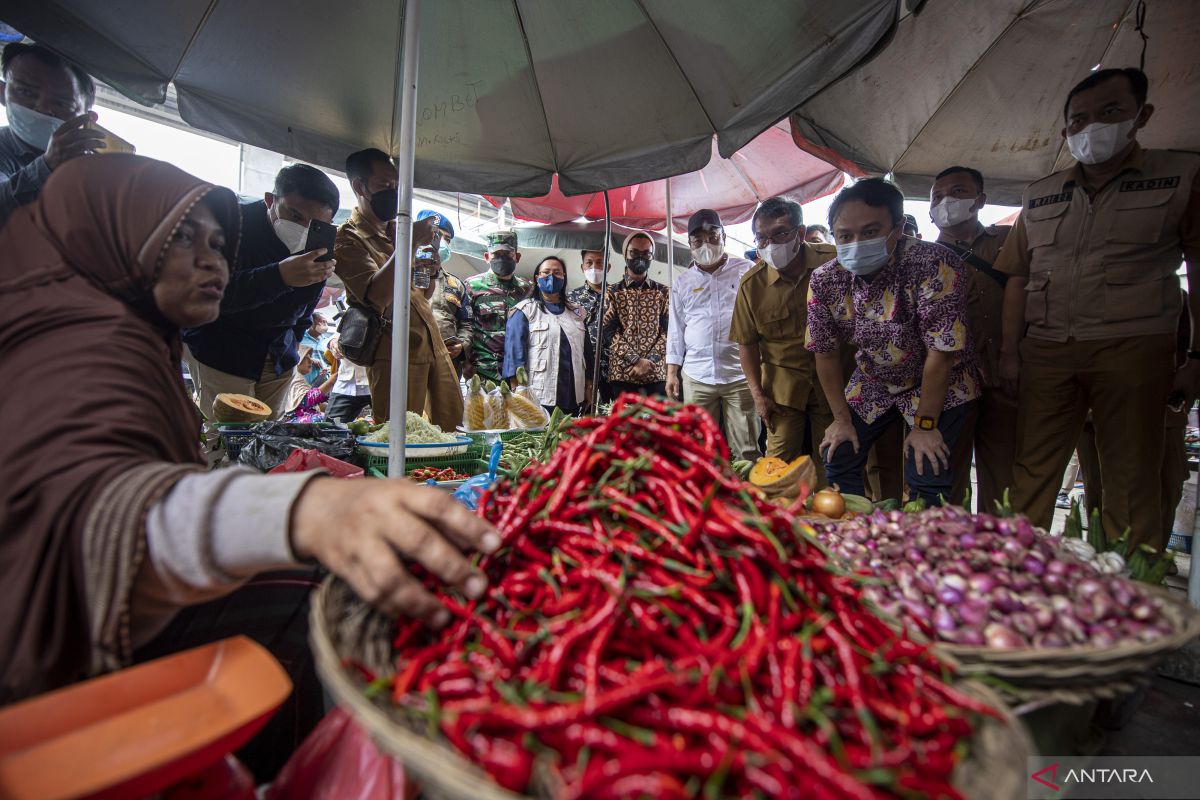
x=546, y=336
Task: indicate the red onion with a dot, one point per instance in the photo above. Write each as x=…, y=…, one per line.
x=1048, y=639
x=1043, y=614
x=1006, y=602
x=1023, y=623
x=1142, y=610
x=1002, y=638
x=943, y=620
x=987, y=581
x=972, y=637
x=982, y=583
x=973, y=611
x=1033, y=565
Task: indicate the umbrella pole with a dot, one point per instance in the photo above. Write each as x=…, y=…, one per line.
x=600, y=307
x=670, y=238
x=402, y=292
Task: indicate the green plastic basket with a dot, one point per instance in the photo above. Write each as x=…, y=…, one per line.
x=460, y=461
x=467, y=466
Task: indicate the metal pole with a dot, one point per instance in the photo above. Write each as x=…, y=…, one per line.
x=670, y=239
x=402, y=291
x=600, y=307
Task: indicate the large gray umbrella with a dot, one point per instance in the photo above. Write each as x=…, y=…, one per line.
x=604, y=93
x=474, y=95
x=983, y=83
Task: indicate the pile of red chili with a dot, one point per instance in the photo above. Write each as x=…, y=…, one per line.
x=654, y=629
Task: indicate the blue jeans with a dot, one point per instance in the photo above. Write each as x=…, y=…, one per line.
x=844, y=467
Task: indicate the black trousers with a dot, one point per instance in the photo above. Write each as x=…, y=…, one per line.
x=657, y=388
x=346, y=407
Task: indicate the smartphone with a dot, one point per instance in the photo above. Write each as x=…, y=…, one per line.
x=112, y=142
x=320, y=234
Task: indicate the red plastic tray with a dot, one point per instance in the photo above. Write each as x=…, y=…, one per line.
x=140, y=730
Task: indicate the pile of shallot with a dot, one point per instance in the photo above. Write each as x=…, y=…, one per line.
x=976, y=579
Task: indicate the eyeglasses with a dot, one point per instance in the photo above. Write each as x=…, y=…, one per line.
x=705, y=237
x=783, y=237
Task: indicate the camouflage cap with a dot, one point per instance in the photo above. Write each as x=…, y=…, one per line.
x=500, y=239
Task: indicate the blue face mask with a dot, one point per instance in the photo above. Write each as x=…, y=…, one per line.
x=551, y=284
x=864, y=257
x=444, y=252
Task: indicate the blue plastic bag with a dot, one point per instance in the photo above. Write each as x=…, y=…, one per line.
x=468, y=494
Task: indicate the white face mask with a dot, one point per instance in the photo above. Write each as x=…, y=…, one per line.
x=292, y=234
x=780, y=255
x=593, y=276
x=32, y=127
x=864, y=257
x=952, y=211
x=1100, y=141
x=707, y=254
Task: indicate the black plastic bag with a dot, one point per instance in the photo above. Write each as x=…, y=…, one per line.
x=273, y=442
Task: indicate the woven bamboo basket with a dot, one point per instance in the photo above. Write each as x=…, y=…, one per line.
x=343, y=627
x=1080, y=674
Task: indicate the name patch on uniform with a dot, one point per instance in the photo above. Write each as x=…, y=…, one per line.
x=1050, y=199
x=1150, y=184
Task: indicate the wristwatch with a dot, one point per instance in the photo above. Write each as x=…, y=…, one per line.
x=925, y=423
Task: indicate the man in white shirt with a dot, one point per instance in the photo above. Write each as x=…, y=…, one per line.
x=703, y=365
x=351, y=392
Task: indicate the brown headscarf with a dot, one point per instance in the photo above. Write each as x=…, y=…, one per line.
x=97, y=424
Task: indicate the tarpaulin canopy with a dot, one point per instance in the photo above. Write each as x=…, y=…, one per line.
x=769, y=165
x=590, y=236
x=603, y=93
x=983, y=84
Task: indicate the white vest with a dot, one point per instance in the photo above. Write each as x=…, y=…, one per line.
x=544, y=334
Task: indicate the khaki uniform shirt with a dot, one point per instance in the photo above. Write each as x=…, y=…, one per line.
x=771, y=311
x=1101, y=261
x=361, y=250
x=985, y=297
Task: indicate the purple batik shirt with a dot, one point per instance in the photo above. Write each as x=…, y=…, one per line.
x=915, y=303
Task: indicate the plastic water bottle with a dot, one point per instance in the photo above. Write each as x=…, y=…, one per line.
x=420, y=276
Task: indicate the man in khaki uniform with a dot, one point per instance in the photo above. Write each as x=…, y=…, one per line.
x=954, y=202
x=364, y=252
x=1093, y=290
x=1175, y=460
x=769, y=318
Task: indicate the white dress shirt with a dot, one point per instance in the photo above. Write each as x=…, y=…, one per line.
x=351, y=380
x=701, y=313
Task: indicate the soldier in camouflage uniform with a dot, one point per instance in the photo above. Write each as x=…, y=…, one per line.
x=493, y=294
x=451, y=300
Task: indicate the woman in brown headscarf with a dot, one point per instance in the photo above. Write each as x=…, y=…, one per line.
x=109, y=519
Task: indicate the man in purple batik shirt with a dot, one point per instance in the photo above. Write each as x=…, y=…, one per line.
x=902, y=303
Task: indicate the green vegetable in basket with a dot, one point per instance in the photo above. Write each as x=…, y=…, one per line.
x=418, y=430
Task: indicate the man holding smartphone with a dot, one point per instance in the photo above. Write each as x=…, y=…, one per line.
x=367, y=265
x=252, y=348
x=47, y=101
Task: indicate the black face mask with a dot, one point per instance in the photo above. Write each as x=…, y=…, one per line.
x=639, y=265
x=384, y=203
x=503, y=266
